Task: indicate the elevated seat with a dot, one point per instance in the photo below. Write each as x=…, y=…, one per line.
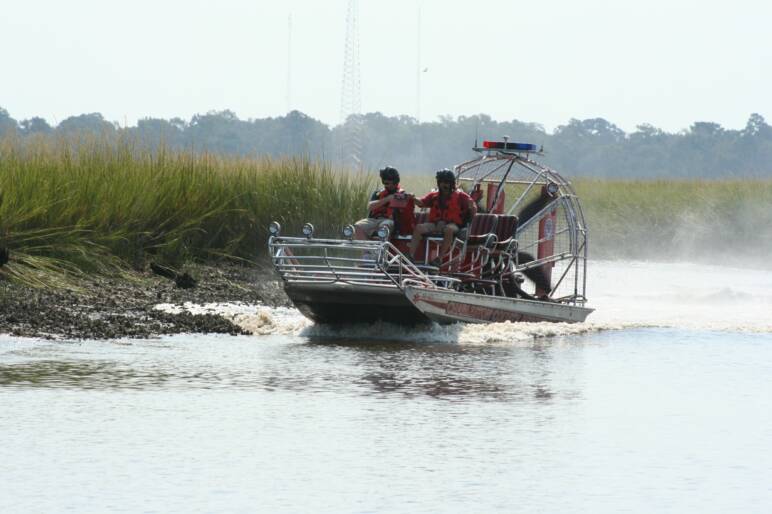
x=503, y=251
x=432, y=240
x=505, y=234
x=481, y=226
x=506, y=228
x=470, y=254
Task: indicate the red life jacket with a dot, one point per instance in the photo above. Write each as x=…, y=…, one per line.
x=452, y=211
x=403, y=217
x=384, y=211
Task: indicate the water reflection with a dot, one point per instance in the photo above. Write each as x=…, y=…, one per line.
x=445, y=371
x=435, y=386
x=80, y=375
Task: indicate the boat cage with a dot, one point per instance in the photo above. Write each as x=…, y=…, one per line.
x=551, y=231
x=547, y=257
x=308, y=261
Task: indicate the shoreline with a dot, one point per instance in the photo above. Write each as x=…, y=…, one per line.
x=114, y=307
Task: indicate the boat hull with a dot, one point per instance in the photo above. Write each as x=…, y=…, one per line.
x=445, y=306
x=343, y=303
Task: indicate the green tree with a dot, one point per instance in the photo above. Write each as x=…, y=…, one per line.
x=86, y=123
x=7, y=123
x=35, y=125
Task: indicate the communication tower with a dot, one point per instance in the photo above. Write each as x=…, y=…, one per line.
x=289, y=63
x=418, y=67
x=351, y=97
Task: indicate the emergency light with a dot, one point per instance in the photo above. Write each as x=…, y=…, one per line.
x=505, y=145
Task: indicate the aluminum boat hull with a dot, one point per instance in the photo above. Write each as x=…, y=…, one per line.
x=343, y=303
x=445, y=306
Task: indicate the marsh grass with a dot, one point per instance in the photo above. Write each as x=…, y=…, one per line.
x=730, y=220
x=102, y=205
x=726, y=220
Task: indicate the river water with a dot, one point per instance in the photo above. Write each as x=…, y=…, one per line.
x=661, y=402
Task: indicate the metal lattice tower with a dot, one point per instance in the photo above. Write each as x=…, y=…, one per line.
x=351, y=97
x=418, y=67
x=289, y=63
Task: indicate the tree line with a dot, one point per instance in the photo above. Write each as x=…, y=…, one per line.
x=588, y=148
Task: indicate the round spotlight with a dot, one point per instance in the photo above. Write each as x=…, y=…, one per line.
x=274, y=228
x=308, y=230
x=384, y=232
x=552, y=189
x=348, y=231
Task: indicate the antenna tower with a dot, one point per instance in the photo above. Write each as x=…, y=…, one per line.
x=289, y=63
x=418, y=68
x=351, y=97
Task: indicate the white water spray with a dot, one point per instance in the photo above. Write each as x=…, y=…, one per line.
x=625, y=295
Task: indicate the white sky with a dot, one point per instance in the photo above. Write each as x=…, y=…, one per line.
x=664, y=62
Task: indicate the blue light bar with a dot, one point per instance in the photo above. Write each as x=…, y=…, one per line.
x=501, y=145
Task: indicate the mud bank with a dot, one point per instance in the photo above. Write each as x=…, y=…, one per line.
x=108, y=308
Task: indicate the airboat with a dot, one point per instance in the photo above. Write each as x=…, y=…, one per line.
x=522, y=257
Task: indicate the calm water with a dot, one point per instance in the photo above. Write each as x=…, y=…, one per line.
x=643, y=410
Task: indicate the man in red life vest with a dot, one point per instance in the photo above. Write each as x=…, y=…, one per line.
x=449, y=210
x=390, y=206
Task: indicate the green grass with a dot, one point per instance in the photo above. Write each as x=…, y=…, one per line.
x=99, y=205
x=727, y=219
x=705, y=219
x=106, y=206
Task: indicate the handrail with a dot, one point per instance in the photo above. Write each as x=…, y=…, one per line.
x=361, y=262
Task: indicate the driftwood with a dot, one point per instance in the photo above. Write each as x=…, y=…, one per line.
x=181, y=280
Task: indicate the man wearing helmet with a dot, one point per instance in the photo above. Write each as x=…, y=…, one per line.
x=389, y=206
x=449, y=209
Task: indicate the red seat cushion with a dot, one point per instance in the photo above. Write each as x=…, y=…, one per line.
x=481, y=226
x=505, y=227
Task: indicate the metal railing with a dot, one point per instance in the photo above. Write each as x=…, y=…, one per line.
x=303, y=260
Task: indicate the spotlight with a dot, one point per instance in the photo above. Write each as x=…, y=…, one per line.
x=308, y=230
x=274, y=228
x=383, y=232
x=348, y=231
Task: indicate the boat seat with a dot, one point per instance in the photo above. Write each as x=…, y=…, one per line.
x=480, y=227
x=431, y=238
x=506, y=244
x=506, y=228
x=471, y=253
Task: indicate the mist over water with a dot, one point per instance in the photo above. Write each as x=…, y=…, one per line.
x=681, y=295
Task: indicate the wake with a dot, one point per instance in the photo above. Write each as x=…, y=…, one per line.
x=625, y=294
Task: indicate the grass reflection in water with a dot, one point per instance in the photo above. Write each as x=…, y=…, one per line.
x=441, y=371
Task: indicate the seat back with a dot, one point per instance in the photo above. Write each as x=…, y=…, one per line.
x=472, y=253
x=506, y=227
x=482, y=224
x=421, y=217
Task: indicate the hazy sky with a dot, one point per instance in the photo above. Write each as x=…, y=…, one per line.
x=664, y=62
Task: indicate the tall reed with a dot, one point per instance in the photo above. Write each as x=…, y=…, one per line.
x=717, y=220
x=728, y=221
x=102, y=204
